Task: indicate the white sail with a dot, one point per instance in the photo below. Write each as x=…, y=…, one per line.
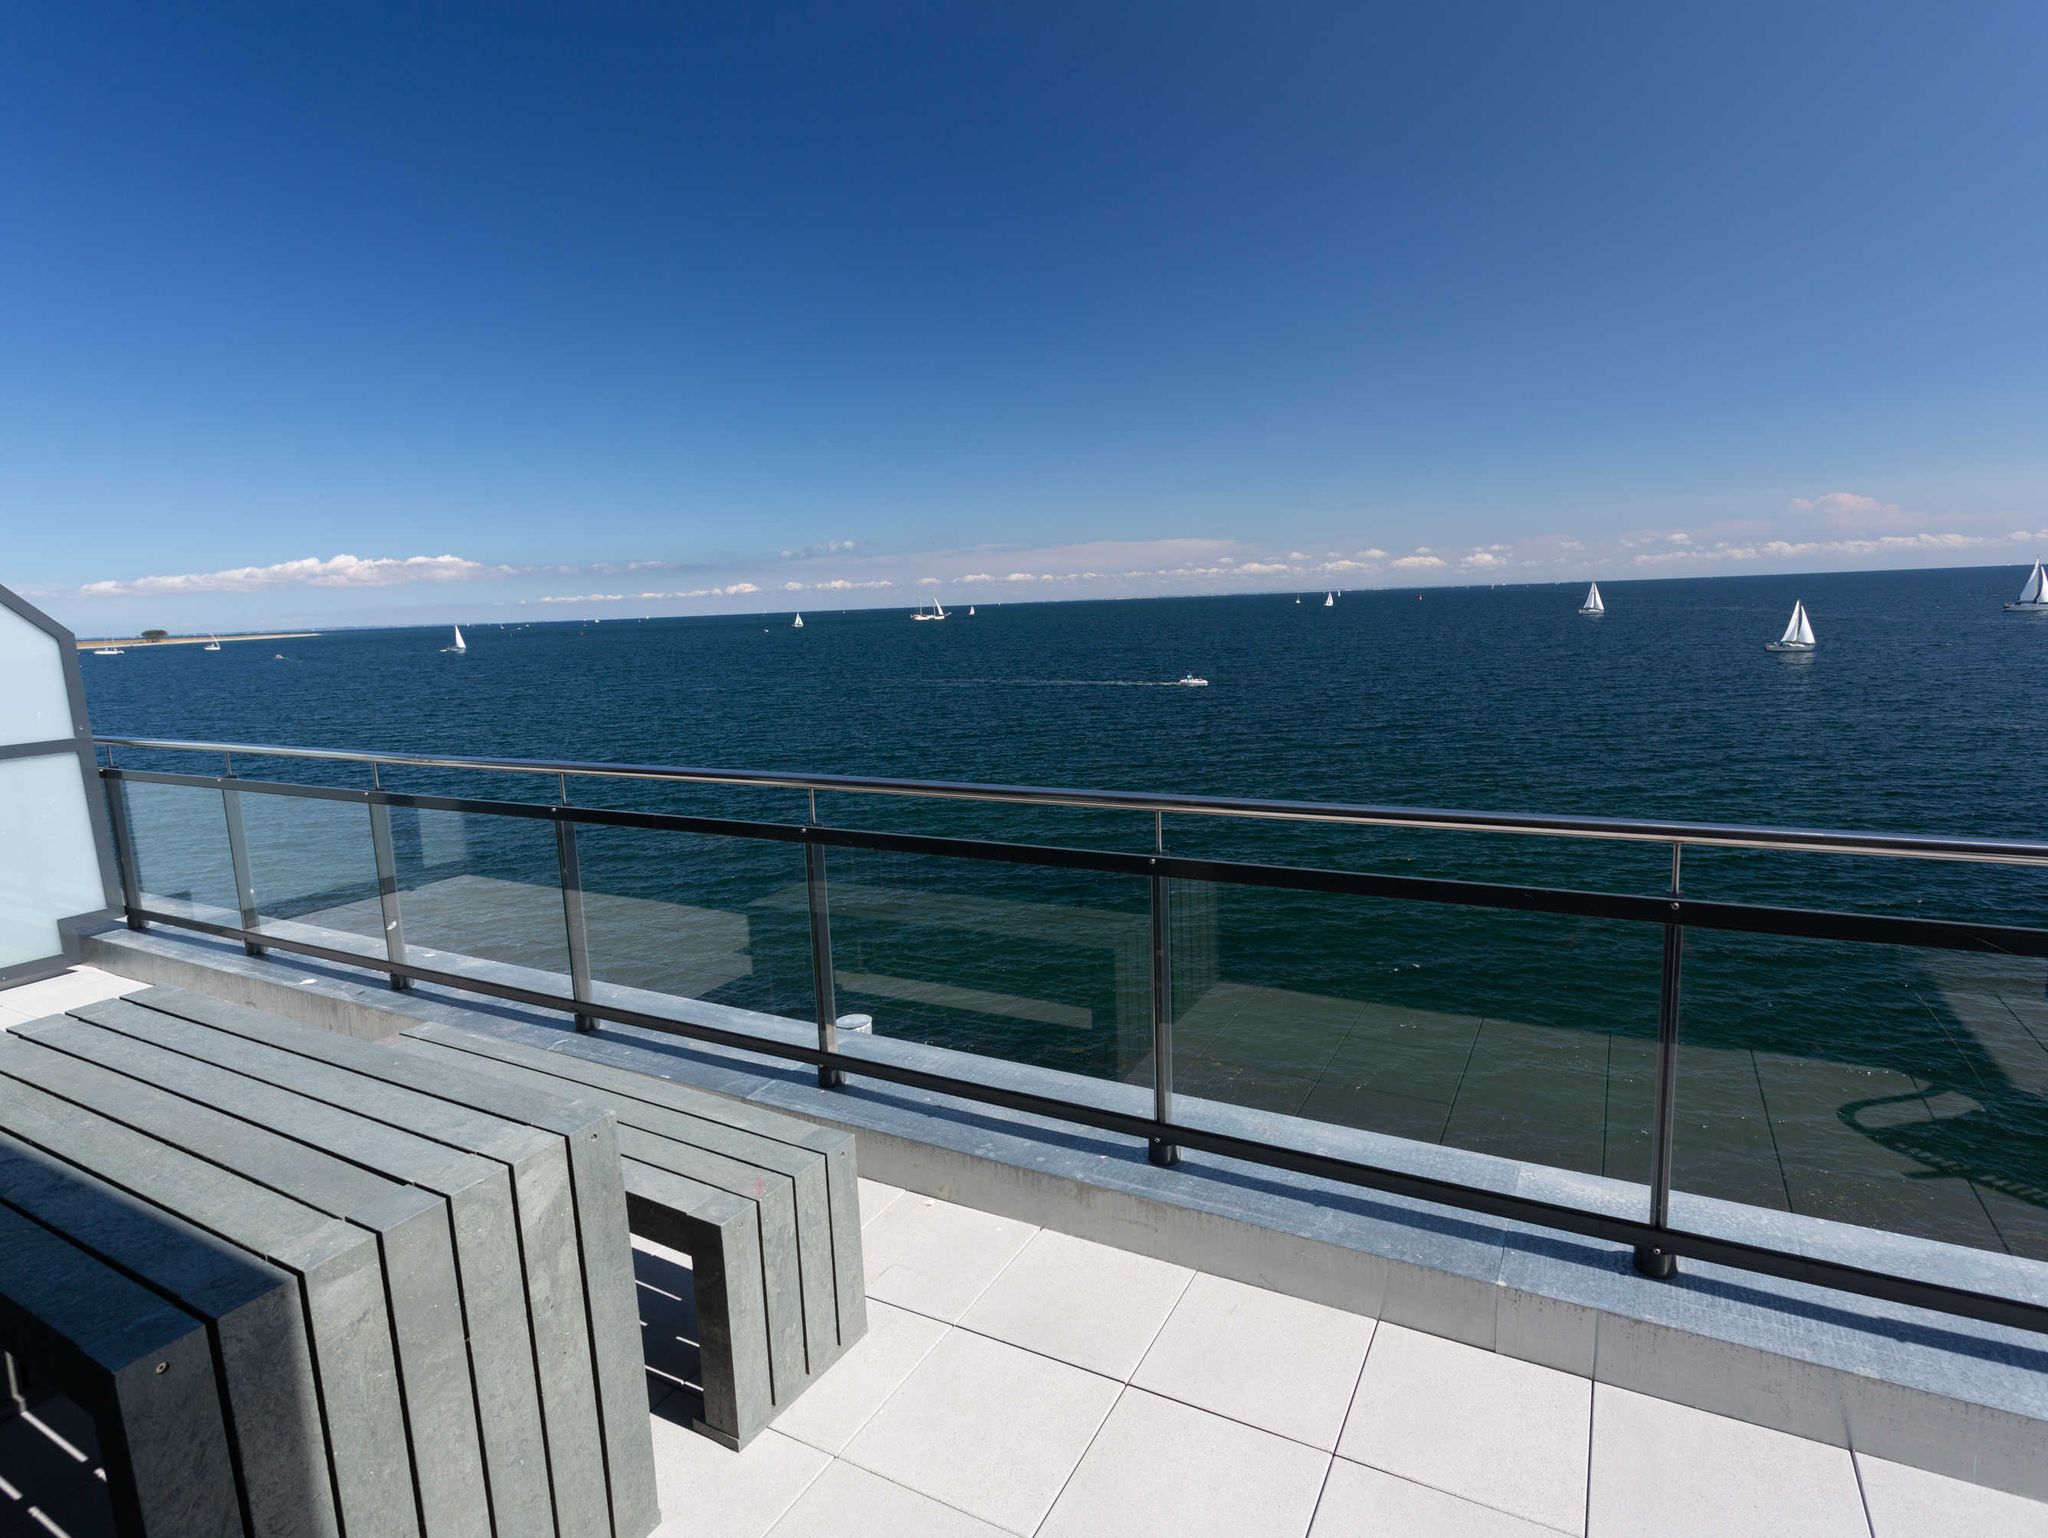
x=1593, y=605
x=1798, y=629
x=799, y=623
x=460, y=644
x=1329, y=600
x=2031, y=593
x=938, y=608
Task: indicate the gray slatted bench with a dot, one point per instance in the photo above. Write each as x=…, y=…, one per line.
x=765, y=1205
x=466, y=1276
x=142, y=1368
x=254, y=1319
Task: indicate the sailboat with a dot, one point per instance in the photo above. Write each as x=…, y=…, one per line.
x=970, y=611
x=1593, y=605
x=108, y=651
x=460, y=645
x=937, y=611
x=1798, y=636
x=2034, y=596
x=1329, y=600
x=798, y=624
x=212, y=644
x=1297, y=598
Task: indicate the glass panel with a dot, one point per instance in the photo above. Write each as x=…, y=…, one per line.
x=723, y=919
x=1026, y=964
x=313, y=869
x=1874, y=1085
x=52, y=867
x=1521, y=1035
x=181, y=851
x=481, y=889
x=35, y=706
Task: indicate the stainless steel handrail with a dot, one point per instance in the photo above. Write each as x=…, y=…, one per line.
x=1916, y=846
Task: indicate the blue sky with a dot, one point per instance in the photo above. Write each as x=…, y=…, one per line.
x=367, y=314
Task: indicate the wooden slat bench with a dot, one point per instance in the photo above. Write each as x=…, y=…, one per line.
x=466, y=1275
x=765, y=1205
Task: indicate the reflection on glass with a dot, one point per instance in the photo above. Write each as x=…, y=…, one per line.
x=1047, y=967
x=482, y=893
x=313, y=871
x=678, y=914
x=1875, y=1085
x=180, y=835
x=1505, y=1033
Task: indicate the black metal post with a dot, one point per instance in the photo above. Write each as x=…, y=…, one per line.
x=387, y=892
x=238, y=858
x=124, y=850
x=1651, y=1259
x=821, y=964
x=572, y=919
x=1158, y=1150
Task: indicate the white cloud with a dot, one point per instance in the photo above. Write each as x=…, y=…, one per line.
x=730, y=590
x=1020, y=576
x=1848, y=509
x=1479, y=560
x=309, y=571
x=1264, y=568
x=829, y=547
x=1418, y=562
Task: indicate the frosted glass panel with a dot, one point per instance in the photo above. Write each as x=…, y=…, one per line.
x=51, y=869
x=34, y=706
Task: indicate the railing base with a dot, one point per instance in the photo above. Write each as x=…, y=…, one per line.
x=831, y=1078
x=1165, y=1155
x=1659, y=1264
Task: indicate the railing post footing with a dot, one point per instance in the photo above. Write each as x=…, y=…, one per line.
x=831, y=1078
x=1165, y=1155
x=1661, y=1265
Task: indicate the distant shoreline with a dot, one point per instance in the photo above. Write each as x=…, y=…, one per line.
x=201, y=640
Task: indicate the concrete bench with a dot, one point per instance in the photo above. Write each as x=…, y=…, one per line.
x=142, y=1368
x=472, y=1337
x=765, y=1205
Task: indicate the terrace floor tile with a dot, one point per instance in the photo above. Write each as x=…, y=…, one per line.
x=1505, y=1433
x=1282, y=1364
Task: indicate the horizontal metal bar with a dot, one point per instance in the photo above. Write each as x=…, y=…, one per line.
x=1716, y=835
x=1628, y=1232
x=1742, y=918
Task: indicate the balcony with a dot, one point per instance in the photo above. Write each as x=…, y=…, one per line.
x=1233, y=1166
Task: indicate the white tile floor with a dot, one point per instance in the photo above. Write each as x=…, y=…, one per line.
x=1018, y=1381
x=53, y=995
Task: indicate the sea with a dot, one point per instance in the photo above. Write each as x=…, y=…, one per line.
x=1901, y=1087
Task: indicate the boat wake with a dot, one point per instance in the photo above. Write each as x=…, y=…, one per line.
x=1059, y=683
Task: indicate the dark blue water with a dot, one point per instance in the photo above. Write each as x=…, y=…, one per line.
x=1888, y=1085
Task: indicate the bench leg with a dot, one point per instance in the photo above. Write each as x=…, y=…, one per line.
x=732, y=1314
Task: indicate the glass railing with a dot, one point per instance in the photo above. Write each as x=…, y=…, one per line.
x=1750, y=1046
